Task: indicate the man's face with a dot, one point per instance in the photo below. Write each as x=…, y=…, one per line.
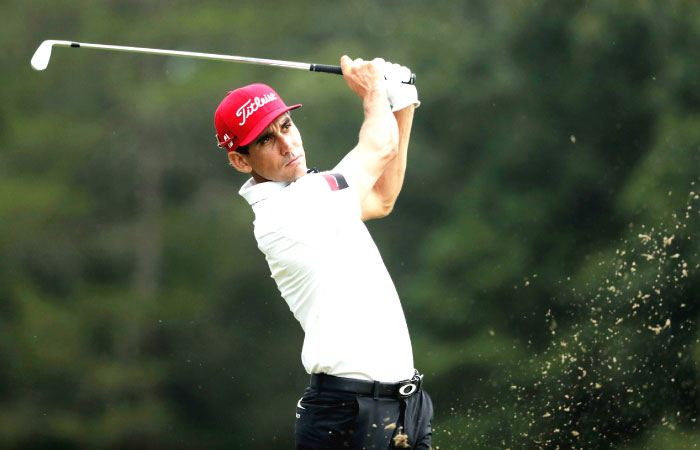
x=277, y=154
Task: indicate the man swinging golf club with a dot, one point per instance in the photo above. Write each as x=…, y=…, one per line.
x=364, y=391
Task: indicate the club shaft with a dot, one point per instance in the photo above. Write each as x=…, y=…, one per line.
x=209, y=56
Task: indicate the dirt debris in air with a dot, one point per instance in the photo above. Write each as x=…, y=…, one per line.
x=401, y=440
x=633, y=306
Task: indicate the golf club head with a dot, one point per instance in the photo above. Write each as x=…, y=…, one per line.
x=41, y=57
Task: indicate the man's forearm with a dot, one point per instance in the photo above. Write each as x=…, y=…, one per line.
x=379, y=128
x=389, y=184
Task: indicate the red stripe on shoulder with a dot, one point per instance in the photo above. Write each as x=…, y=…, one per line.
x=330, y=179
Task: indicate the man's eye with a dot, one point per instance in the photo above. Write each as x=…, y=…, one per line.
x=287, y=125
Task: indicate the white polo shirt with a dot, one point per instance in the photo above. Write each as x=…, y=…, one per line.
x=331, y=275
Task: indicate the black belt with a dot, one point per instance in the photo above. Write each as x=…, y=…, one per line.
x=402, y=389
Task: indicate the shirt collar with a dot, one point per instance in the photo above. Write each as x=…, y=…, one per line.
x=254, y=192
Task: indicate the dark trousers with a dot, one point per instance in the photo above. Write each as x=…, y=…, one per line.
x=341, y=420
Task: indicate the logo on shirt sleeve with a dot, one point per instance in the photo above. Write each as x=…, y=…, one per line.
x=335, y=180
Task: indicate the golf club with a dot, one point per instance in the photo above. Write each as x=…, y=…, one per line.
x=41, y=57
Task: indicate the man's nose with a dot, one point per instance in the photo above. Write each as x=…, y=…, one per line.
x=285, y=143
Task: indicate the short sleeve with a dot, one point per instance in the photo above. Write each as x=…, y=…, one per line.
x=328, y=193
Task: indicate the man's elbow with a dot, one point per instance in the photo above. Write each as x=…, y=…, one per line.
x=385, y=209
x=379, y=211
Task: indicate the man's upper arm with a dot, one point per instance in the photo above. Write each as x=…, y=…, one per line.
x=364, y=169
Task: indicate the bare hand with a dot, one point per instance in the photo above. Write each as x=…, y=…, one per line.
x=363, y=77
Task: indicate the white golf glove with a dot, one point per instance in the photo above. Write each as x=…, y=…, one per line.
x=400, y=94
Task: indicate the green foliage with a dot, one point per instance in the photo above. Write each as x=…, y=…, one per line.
x=544, y=245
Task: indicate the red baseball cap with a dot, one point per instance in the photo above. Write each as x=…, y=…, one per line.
x=244, y=113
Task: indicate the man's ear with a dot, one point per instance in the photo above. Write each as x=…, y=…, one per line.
x=240, y=162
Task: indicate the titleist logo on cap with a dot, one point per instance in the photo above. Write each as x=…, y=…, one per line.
x=252, y=105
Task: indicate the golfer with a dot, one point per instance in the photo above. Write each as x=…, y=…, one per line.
x=364, y=392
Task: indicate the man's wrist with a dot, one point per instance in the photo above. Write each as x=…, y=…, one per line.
x=375, y=97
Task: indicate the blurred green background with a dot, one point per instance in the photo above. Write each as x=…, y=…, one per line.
x=545, y=244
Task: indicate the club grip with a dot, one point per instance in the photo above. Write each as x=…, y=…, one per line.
x=326, y=68
x=337, y=70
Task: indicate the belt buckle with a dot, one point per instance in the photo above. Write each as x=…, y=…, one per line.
x=409, y=387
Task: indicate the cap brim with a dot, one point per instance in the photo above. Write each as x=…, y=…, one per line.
x=264, y=123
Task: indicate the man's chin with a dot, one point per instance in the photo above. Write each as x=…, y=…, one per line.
x=298, y=172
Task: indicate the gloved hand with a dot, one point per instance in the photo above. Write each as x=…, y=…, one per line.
x=400, y=95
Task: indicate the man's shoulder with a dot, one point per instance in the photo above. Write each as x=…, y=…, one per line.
x=326, y=181
x=317, y=183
